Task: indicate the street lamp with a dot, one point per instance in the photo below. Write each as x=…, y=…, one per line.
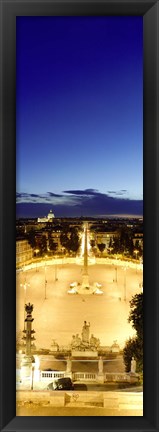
x=115, y=274
x=36, y=251
x=25, y=285
x=56, y=273
x=116, y=269
x=45, y=277
x=125, y=283
x=32, y=374
x=136, y=252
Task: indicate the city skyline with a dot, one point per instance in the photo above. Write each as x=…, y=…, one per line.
x=79, y=118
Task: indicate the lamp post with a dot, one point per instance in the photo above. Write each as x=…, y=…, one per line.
x=45, y=278
x=115, y=274
x=56, y=273
x=116, y=269
x=25, y=285
x=136, y=252
x=32, y=374
x=36, y=251
x=125, y=283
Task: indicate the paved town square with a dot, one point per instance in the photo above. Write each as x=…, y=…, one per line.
x=58, y=315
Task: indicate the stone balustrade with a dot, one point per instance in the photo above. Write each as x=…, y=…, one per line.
x=89, y=376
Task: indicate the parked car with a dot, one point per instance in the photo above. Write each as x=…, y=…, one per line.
x=48, y=370
x=61, y=384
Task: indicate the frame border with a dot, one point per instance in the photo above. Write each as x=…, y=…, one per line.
x=149, y=9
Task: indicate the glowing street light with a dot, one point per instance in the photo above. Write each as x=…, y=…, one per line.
x=56, y=278
x=125, y=268
x=45, y=278
x=136, y=252
x=116, y=269
x=115, y=274
x=36, y=251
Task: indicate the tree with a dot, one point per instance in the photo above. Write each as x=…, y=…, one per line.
x=74, y=242
x=134, y=346
x=136, y=314
x=110, y=243
x=101, y=247
x=52, y=245
x=43, y=245
x=70, y=241
x=64, y=240
x=31, y=237
x=92, y=243
x=123, y=243
x=116, y=245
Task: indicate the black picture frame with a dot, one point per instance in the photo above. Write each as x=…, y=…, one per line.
x=150, y=12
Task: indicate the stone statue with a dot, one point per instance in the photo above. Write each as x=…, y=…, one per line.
x=133, y=365
x=85, y=333
x=84, y=343
x=76, y=341
x=94, y=342
x=73, y=339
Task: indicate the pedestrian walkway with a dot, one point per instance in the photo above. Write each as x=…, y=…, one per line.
x=80, y=403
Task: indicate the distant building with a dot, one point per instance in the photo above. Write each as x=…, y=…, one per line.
x=138, y=240
x=47, y=218
x=24, y=252
x=115, y=348
x=55, y=235
x=56, y=238
x=105, y=237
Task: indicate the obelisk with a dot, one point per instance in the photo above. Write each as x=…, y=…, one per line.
x=85, y=286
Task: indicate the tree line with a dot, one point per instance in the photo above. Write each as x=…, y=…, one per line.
x=121, y=244
x=134, y=345
x=45, y=243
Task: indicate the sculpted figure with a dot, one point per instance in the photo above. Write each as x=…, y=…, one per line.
x=133, y=365
x=85, y=332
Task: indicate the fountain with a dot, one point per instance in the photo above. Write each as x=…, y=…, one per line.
x=85, y=346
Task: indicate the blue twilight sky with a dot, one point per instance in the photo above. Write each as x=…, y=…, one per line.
x=79, y=116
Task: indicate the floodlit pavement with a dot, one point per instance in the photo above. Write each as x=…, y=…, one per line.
x=111, y=403
x=71, y=411
x=61, y=315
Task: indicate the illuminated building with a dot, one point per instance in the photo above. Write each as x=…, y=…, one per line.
x=48, y=218
x=24, y=252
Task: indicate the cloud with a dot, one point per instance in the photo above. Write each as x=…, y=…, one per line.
x=120, y=192
x=87, y=192
x=46, y=198
x=87, y=202
x=51, y=194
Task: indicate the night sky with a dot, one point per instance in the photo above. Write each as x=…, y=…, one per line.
x=79, y=116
